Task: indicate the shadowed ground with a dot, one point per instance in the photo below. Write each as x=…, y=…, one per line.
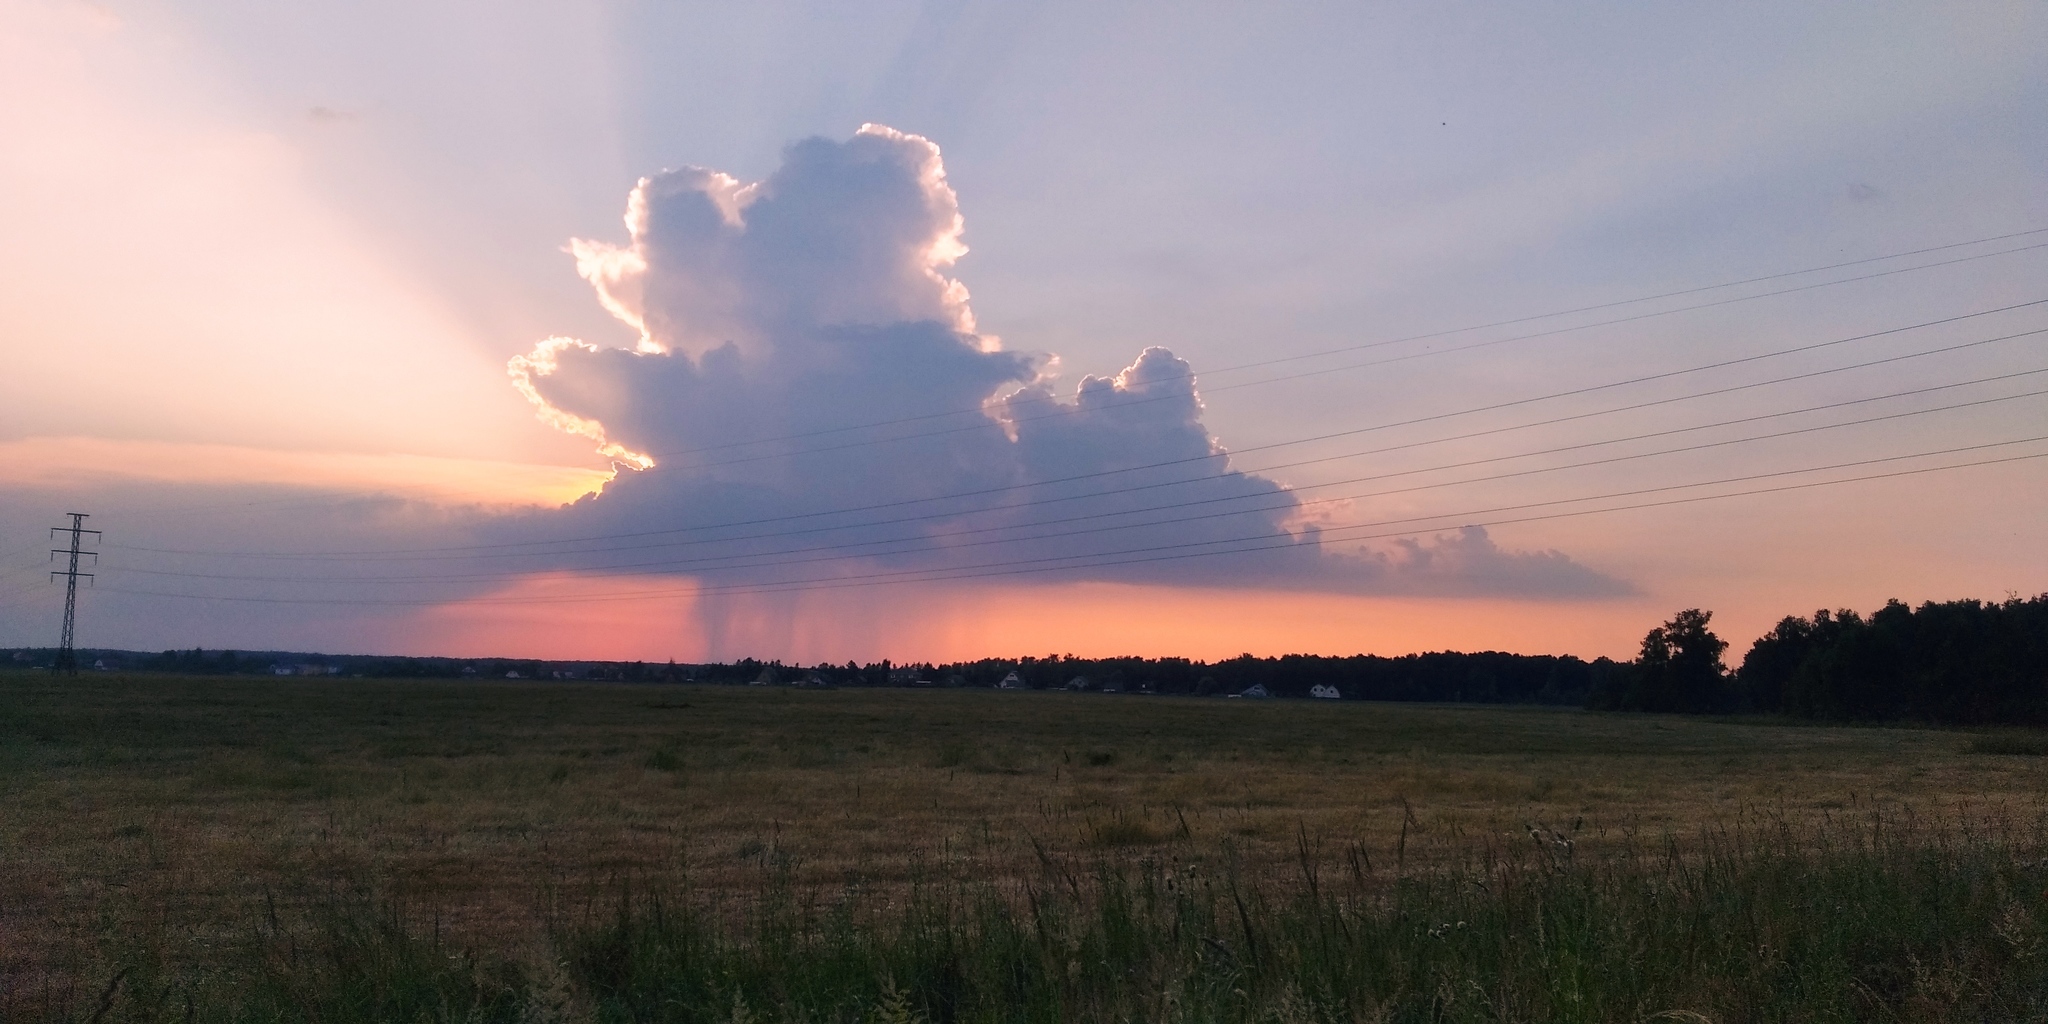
x=162, y=809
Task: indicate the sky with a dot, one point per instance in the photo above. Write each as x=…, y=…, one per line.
x=924, y=331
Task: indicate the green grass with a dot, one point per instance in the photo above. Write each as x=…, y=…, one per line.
x=1877, y=919
x=2023, y=744
x=260, y=850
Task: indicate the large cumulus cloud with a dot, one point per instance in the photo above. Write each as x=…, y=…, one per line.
x=776, y=315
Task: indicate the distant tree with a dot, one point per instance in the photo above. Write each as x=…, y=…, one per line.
x=1782, y=670
x=1680, y=669
x=1773, y=660
x=1609, y=683
x=1960, y=662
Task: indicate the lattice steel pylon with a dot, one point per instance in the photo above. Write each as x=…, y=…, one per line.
x=67, y=658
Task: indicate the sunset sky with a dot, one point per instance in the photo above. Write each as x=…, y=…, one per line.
x=926, y=331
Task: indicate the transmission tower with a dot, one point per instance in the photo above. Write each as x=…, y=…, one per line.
x=67, y=659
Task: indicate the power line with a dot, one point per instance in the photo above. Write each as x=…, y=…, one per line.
x=14, y=593
x=22, y=550
x=1126, y=402
x=21, y=570
x=947, y=541
x=1020, y=567
x=774, y=534
x=701, y=566
x=1598, y=511
x=1291, y=541
x=1092, y=495
x=986, y=423
x=1362, y=430
x=984, y=492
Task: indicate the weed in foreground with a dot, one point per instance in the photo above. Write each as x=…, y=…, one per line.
x=1886, y=919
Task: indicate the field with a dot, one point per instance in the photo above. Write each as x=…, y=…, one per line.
x=258, y=849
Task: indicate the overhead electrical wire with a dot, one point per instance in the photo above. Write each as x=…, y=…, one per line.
x=25, y=549
x=1186, y=481
x=946, y=542
x=14, y=593
x=986, y=423
x=17, y=570
x=1290, y=540
x=414, y=553
x=1071, y=562
x=1383, y=343
x=18, y=587
x=1126, y=402
x=1028, y=566
x=835, y=582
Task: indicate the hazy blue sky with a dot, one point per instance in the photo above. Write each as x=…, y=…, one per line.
x=262, y=251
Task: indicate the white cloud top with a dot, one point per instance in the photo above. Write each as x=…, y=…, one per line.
x=804, y=352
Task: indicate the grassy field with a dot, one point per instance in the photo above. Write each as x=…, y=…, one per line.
x=179, y=848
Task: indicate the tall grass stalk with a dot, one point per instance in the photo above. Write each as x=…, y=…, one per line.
x=1871, y=918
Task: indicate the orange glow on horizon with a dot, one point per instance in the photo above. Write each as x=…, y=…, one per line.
x=954, y=624
x=541, y=616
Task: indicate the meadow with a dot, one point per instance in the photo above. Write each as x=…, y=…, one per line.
x=180, y=848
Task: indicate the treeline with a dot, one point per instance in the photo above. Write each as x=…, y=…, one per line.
x=1954, y=662
x=205, y=662
x=1487, y=677
x=229, y=663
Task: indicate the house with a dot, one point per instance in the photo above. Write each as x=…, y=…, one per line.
x=514, y=674
x=1080, y=683
x=1257, y=691
x=1324, y=692
x=1011, y=682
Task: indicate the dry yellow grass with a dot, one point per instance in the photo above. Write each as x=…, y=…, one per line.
x=172, y=805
